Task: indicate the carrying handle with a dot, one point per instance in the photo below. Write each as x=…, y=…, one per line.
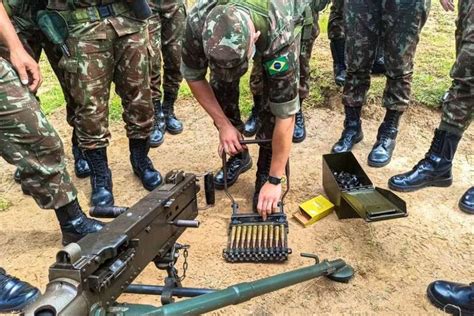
x=252, y=142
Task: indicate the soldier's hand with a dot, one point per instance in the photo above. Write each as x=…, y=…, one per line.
x=268, y=199
x=229, y=141
x=448, y=5
x=27, y=69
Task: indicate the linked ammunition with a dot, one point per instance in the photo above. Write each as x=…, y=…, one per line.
x=256, y=240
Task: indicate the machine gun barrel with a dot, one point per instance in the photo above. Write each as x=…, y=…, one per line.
x=242, y=292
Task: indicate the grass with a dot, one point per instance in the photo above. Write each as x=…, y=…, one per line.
x=434, y=58
x=4, y=204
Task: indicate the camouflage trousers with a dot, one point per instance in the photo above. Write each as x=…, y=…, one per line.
x=399, y=23
x=336, y=20
x=96, y=61
x=166, y=31
x=309, y=36
x=458, y=106
x=28, y=141
x=227, y=95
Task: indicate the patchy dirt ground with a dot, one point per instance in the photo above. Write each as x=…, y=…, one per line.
x=394, y=260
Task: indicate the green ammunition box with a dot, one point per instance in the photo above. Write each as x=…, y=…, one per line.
x=365, y=201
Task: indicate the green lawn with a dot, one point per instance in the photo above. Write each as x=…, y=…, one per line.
x=434, y=58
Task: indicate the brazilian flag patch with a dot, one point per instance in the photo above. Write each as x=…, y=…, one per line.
x=277, y=66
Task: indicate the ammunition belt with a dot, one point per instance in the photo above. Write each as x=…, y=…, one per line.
x=94, y=13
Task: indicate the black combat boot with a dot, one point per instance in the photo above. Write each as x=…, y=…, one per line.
x=17, y=176
x=339, y=61
x=378, y=67
x=142, y=165
x=253, y=122
x=173, y=125
x=15, y=294
x=236, y=165
x=157, y=136
x=352, y=133
x=299, y=133
x=263, y=170
x=433, y=170
x=381, y=153
x=81, y=167
x=74, y=223
x=452, y=298
x=101, y=177
x=466, y=204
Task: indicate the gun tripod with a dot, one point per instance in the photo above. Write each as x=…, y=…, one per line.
x=173, y=286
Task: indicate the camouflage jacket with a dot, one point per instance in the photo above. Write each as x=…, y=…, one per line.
x=278, y=43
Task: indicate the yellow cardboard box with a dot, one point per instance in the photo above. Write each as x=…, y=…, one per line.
x=313, y=210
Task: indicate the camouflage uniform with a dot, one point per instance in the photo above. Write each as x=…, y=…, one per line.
x=336, y=20
x=276, y=45
x=459, y=103
x=399, y=23
x=28, y=141
x=107, y=44
x=166, y=29
x=310, y=34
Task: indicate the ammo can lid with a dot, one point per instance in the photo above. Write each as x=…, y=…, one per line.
x=375, y=204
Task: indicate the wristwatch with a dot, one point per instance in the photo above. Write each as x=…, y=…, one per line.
x=275, y=180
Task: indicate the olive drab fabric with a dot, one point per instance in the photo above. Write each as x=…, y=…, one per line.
x=107, y=44
x=28, y=141
x=399, y=23
x=166, y=29
x=459, y=102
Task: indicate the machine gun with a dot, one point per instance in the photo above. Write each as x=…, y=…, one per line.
x=89, y=276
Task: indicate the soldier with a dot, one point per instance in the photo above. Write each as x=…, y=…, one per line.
x=337, y=40
x=256, y=79
x=28, y=141
x=166, y=28
x=399, y=24
x=108, y=43
x=435, y=168
x=224, y=36
x=22, y=15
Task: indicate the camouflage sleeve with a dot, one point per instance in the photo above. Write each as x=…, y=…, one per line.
x=194, y=65
x=282, y=72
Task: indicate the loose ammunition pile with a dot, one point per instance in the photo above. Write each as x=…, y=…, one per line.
x=253, y=240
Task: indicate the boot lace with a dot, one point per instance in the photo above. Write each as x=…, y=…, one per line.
x=232, y=160
x=435, y=147
x=141, y=159
x=388, y=127
x=299, y=120
x=101, y=171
